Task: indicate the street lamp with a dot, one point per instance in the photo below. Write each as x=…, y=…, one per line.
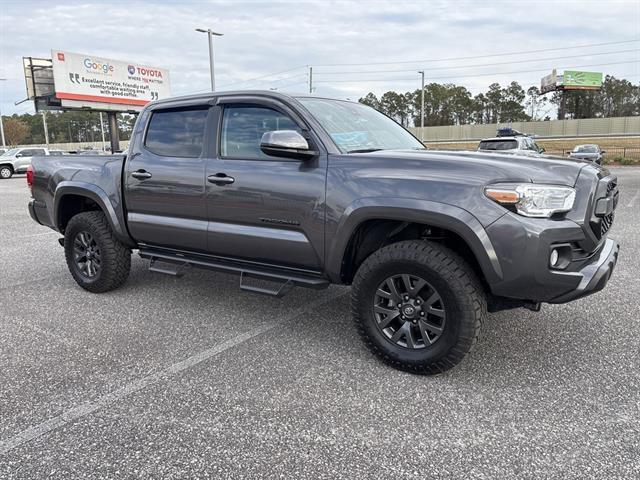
x=4, y=144
x=210, y=33
x=421, y=72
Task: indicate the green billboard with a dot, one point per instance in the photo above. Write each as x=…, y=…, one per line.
x=582, y=80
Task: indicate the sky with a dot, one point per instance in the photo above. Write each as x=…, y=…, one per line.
x=354, y=47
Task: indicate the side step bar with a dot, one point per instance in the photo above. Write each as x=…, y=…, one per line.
x=284, y=279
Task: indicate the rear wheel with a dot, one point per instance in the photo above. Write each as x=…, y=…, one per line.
x=6, y=172
x=418, y=306
x=97, y=261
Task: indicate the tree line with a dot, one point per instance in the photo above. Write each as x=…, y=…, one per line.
x=450, y=104
x=63, y=127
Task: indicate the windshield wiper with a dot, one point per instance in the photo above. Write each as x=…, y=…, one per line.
x=365, y=150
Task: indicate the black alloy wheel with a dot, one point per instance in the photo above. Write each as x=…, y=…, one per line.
x=409, y=311
x=86, y=254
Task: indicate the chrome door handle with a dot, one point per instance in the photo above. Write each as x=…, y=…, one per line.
x=141, y=174
x=220, y=179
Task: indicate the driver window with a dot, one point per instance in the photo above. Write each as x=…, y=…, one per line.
x=243, y=127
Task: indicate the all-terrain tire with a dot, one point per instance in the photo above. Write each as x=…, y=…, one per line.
x=114, y=257
x=455, y=282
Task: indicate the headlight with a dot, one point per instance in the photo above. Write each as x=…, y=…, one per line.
x=532, y=200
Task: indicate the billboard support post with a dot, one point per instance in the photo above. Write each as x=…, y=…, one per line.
x=102, y=131
x=46, y=131
x=4, y=144
x=112, y=120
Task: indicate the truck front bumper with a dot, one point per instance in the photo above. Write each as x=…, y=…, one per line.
x=595, y=275
x=523, y=247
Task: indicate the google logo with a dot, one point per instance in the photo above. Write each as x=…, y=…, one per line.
x=105, y=67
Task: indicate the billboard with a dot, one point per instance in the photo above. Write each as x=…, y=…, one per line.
x=87, y=81
x=548, y=82
x=38, y=77
x=574, y=80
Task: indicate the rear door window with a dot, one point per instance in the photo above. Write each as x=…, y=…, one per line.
x=30, y=152
x=177, y=132
x=498, y=145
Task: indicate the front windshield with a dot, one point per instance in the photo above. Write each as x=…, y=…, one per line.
x=13, y=151
x=355, y=127
x=585, y=149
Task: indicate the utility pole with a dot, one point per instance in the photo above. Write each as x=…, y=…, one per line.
x=46, y=131
x=310, y=79
x=421, y=72
x=4, y=143
x=102, y=131
x=210, y=33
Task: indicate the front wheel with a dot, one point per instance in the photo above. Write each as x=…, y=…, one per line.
x=6, y=172
x=98, y=262
x=418, y=306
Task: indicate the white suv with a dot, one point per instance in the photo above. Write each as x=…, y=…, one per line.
x=17, y=160
x=515, y=143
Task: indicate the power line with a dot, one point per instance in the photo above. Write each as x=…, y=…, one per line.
x=483, y=64
x=272, y=81
x=265, y=76
x=280, y=87
x=521, y=52
x=472, y=75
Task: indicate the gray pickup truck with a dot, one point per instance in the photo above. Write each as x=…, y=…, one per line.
x=305, y=191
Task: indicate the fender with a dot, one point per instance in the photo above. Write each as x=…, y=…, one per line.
x=95, y=193
x=436, y=214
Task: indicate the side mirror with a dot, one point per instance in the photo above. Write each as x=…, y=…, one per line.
x=603, y=151
x=18, y=155
x=541, y=150
x=287, y=144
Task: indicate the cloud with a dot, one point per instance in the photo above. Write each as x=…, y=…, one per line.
x=262, y=37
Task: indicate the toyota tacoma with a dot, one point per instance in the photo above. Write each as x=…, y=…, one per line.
x=304, y=191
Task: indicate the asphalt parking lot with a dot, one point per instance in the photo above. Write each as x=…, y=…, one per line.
x=189, y=377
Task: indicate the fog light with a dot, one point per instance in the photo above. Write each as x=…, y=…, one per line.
x=553, y=259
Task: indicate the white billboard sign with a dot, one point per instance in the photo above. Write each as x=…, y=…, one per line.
x=548, y=82
x=102, y=83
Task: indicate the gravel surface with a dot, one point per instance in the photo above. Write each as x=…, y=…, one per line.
x=191, y=378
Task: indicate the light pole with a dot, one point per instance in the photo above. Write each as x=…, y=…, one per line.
x=421, y=72
x=210, y=33
x=4, y=144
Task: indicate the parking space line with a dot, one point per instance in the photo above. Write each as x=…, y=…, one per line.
x=633, y=200
x=52, y=232
x=110, y=398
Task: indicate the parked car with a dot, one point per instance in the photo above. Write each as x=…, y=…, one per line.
x=16, y=160
x=590, y=152
x=57, y=152
x=307, y=191
x=90, y=152
x=510, y=141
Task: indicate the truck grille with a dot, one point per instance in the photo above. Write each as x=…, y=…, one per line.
x=604, y=205
x=605, y=224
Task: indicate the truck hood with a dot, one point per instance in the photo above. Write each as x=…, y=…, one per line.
x=483, y=167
